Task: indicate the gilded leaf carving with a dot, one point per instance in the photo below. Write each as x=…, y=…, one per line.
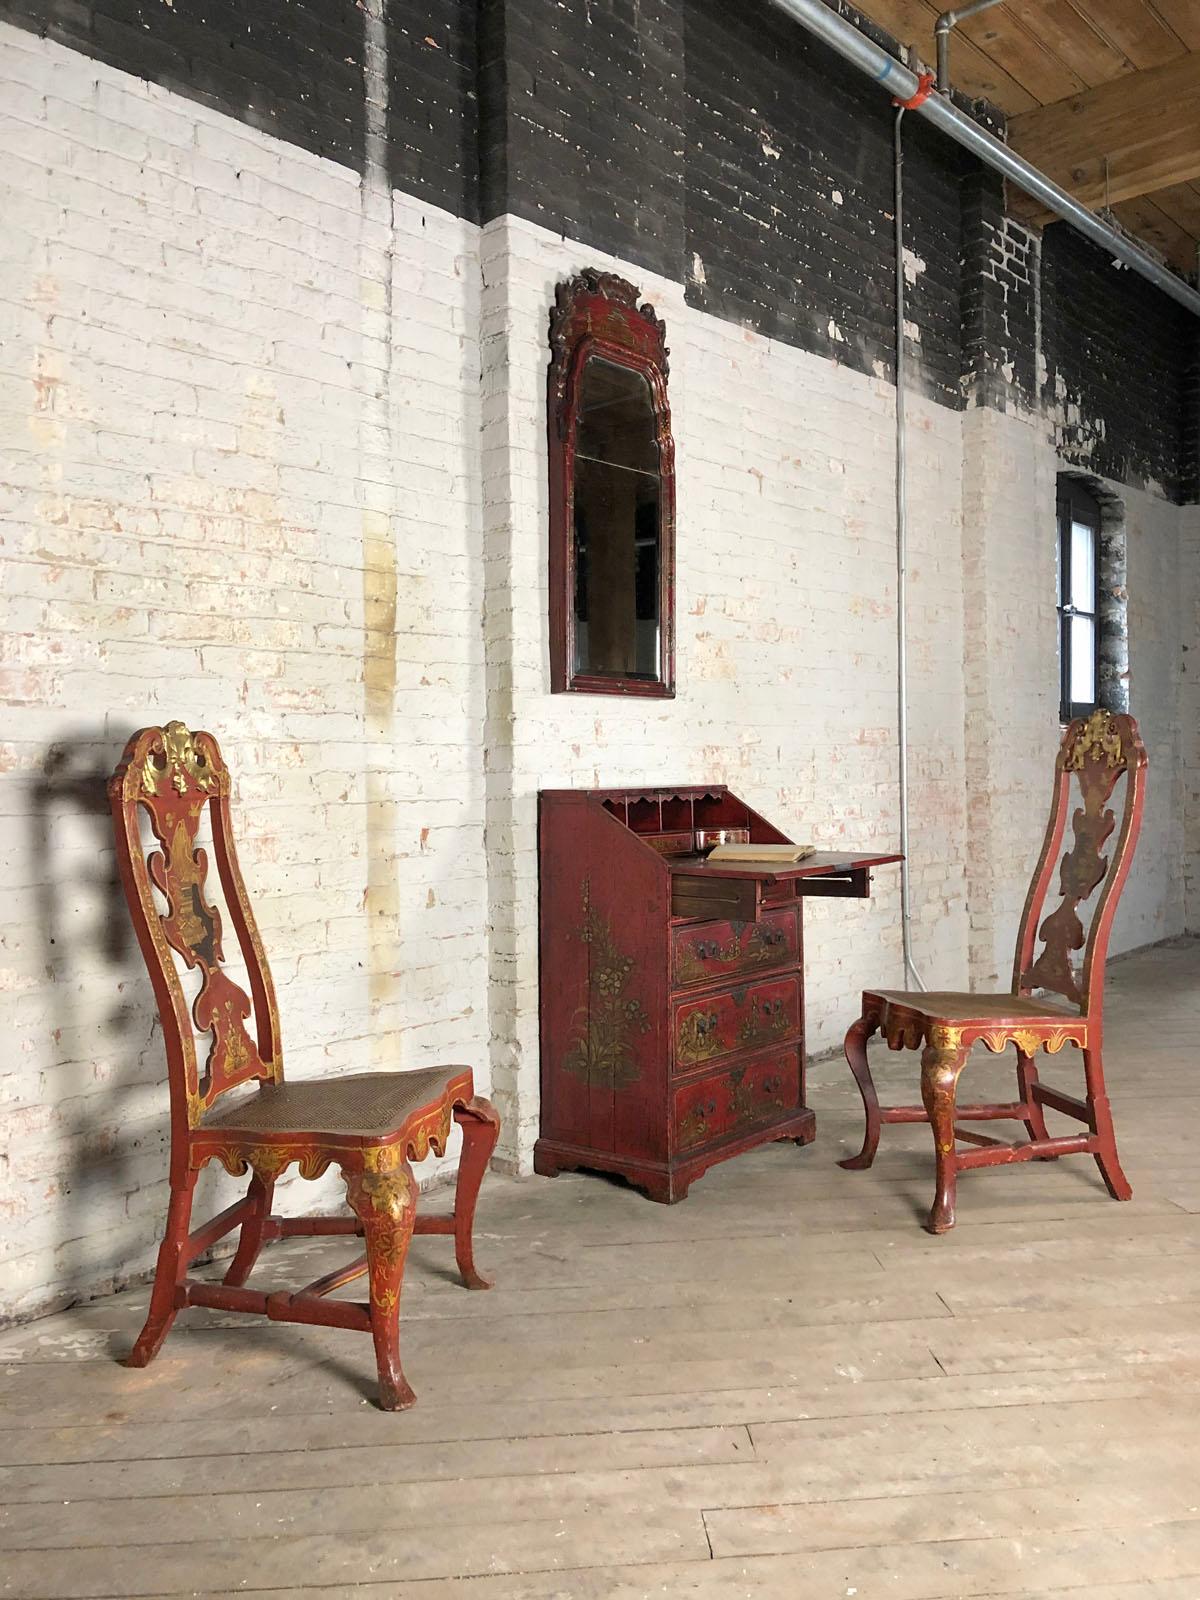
x=1098, y=740
x=185, y=764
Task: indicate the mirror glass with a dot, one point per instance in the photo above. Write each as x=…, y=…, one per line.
x=617, y=526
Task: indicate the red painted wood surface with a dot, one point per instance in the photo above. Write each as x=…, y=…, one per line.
x=655, y=1005
x=756, y=1093
x=1099, y=753
x=732, y=1020
x=711, y=952
x=178, y=780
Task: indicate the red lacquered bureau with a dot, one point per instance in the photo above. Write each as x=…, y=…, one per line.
x=672, y=987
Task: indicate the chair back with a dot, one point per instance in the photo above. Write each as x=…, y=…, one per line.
x=1097, y=752
x=172, y=775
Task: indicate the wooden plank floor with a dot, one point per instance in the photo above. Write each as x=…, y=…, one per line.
x=780, y=1388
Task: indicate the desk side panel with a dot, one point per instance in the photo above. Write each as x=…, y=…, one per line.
x=604, y=977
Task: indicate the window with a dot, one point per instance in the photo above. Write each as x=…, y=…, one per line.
x=612, y=493
x=1078, y=598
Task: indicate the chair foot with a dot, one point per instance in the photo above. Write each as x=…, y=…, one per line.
x=261, y=1192
x=150, y=1340
x=941, y=1213
x=1115, y=1181
x=480, y=1124
x=385, y=1202
x=396, y=1395
x=856, y=1056
x=170, y=1270
x=940, y=1068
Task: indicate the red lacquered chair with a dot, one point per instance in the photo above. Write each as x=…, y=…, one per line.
x=1097, y=752
x=370, y=1125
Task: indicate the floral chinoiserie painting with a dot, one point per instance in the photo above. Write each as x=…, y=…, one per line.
x=603, y=1031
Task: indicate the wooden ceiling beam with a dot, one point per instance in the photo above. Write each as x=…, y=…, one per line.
x=1123, y=139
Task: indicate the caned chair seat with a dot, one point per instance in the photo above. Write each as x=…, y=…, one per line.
x=234, y=1106
x=362, y=1105
x=1097, y=753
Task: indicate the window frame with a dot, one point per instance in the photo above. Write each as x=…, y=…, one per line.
x=598, y=314
x=1076, y=504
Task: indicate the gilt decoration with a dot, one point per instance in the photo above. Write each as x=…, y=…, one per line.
x=184, y=764
x=605, y=1029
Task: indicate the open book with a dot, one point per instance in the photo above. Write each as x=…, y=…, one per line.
x=778, y=854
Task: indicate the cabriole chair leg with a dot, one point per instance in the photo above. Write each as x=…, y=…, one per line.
x=856, y=1054
x=168, y=1274
x=940, y=1068
x=480, y=1126
x=386, y=1205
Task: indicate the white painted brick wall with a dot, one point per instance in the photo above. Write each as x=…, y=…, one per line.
x=236, y=443
x=1153, y=904
x=1011, y=665
x=1189, y=709
x=1010, y=668
x=276, y=465
x=786, y=634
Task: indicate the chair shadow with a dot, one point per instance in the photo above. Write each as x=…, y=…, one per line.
x=102, y=1020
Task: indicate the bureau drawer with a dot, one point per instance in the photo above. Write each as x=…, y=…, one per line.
x=740, y=1019
x=738, y=1099
x=713, y=951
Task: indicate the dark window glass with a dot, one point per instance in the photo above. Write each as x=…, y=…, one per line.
x=1078, y=598
x=617, y=524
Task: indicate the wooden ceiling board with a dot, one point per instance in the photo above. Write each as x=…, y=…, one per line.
x=1148, y=222
x=1084, y=53
x=972, y=71
x=1133, y=29
x=1180, y=202
x=1024, y=52
x=1182, y=17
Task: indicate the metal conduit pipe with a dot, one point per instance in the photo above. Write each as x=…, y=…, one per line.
x=941, y=34
x=890, y=74
x=910, y=971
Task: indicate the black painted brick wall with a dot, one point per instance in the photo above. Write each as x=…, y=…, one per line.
x=706, y=141
x=790, y=198
x=1116, y=349
x=581, y=111
x=433, y=111
x=1189, y=484
x=999, y=299
x=292, y=68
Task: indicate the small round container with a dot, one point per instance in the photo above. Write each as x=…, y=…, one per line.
x=709, y=838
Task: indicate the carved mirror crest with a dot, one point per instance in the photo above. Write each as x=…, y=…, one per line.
x=612, y=493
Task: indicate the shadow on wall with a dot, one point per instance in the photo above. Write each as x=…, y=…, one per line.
x=100, y=1028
